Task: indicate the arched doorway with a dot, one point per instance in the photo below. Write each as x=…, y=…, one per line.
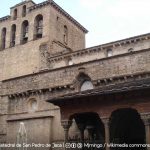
x=126, y=126
x=90, y=127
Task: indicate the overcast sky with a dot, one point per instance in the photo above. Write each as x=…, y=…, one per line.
x=106, y=20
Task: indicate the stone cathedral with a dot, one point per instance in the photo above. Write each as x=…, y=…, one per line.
x=60, y=91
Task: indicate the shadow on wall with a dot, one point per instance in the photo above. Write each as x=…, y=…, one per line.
x=126, y=126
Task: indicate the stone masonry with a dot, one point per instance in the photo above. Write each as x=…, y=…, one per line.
x=47, y=68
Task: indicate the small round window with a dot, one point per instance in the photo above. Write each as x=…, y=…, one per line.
x=33, y=106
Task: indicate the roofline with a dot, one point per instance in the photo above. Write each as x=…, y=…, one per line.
x=4, y=18
x=129, y=38
x=54, y=5
x=61, y=10
x=119, y=41
x=68, y=16
x=116, y=88
x=108, y=45
x=24, y=2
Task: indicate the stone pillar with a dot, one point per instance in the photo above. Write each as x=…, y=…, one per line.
x=107, y=133
x=147, y=130
x=66, y=125
x=82, y=128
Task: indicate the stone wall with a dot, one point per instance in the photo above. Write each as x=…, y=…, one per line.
x=42, y=124
x=126, y=64
x=38, y=131
x=22, y=59
x=97, y=52
x=25, y=59
x=76, y=37
x=3, y=118
x=23, y=74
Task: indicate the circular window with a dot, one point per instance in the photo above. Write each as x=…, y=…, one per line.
x=33, y=105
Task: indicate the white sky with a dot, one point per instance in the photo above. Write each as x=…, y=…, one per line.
x=106, y=20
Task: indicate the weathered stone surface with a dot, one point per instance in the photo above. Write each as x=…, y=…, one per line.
x=39, y=70
x=25, y=59
x=134, y=63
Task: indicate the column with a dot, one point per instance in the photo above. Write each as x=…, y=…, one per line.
x=107, y=134
x=66, y=125
x=147, y=130
x=81, y=127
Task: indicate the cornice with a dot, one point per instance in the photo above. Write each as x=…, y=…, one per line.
x=29, y=93
x=109, y=86
x=101, y=47
x=104, y=85
x=22, y=3
x=5, y=18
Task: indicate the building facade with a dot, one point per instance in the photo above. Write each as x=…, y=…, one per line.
x=61, y=90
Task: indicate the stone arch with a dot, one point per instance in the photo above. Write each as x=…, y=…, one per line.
x=74, y=132
x=3, y=38
x=32, y=104
x=13, y=36
x=65, y=36
x=38, y=26
x=24, y=10
x=84, y=82
x=126, y=126
x=15, y=14
x=90, y=126
x=24, y=32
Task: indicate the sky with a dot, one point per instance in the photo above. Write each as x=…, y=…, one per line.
x=106, y=20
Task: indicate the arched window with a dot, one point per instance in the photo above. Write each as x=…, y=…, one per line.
x=70, y=62
x=24, y=9
x=87, y=85
x=109, y=53
x=38, y=32
x=15, y=14
x=65, y=34
x=32, y=105
x=13, y=36
x=24, y=32
x=3, y=38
